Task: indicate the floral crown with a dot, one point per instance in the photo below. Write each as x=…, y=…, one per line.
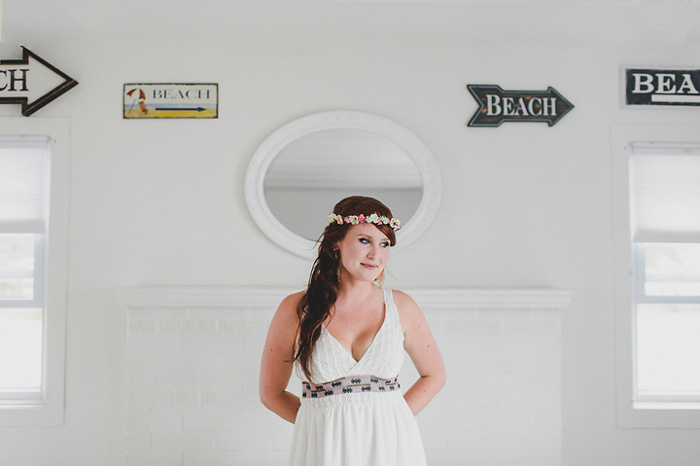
x=394, y=223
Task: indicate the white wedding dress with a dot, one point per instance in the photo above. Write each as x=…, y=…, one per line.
x=354, y=414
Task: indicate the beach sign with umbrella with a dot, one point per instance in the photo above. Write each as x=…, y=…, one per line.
x=150, y=100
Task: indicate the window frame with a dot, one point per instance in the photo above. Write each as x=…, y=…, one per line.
x=47, y=409
x=655, y=401
x=36, y=301
x=633, y=413
x=641, y=279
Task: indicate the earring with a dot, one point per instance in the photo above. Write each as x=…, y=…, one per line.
x=380, y=278
x=336, y=254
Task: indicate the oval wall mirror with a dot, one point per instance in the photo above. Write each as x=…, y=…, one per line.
x=301, y=170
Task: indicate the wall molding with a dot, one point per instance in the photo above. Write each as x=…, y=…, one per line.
x=433, y=299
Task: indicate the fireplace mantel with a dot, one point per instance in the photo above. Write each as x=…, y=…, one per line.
x=192, y=370
x=437, y=299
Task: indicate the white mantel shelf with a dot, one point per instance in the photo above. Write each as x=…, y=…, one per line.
x=434, y=299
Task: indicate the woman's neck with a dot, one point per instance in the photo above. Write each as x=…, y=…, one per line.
x=356, y=290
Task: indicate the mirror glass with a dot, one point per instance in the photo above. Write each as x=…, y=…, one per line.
x=312, y=173
x=304, y=168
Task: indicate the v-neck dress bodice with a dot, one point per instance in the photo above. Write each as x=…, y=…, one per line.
x=382, y=358
x=355, y=413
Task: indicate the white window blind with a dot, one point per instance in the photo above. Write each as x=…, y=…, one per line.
x=665, y=193
x=23, y=184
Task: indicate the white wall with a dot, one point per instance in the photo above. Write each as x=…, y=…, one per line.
x=161, y=203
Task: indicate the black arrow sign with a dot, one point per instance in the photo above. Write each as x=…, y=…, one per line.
x=32, y=82
x=497, y=105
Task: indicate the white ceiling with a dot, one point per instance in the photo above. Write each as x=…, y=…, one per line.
x=113, y=17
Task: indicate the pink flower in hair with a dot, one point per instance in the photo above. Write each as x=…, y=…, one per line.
x=362, y=218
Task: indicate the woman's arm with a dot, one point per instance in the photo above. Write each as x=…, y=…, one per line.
x=276, y=365
x=423, y=350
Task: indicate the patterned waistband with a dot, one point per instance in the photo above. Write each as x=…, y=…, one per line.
x=353, y=384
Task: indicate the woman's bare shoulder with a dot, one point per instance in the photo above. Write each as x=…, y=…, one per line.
x=403, y=299
x=293, y=299
x=288, y=307
x=408, y=309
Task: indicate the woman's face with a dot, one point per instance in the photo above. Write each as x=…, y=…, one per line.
x=364, y=252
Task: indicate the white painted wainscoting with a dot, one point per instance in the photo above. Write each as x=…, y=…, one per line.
x=193, y=363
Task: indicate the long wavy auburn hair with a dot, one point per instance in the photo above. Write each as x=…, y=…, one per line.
x=322, y=290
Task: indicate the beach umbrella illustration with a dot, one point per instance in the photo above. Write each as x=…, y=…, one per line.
x=141, y=99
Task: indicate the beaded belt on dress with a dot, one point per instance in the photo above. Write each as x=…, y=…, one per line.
x=353, y=384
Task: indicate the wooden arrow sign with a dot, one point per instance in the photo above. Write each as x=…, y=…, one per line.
x=32, y=82
x=497, y=105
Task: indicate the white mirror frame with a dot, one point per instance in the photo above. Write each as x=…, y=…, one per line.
x=271, y=147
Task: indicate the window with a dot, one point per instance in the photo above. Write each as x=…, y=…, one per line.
x=24, y=191
x=665, y=195
x=33, y=247
x=656, y=252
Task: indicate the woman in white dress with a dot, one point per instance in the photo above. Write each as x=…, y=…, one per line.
x=346, y=337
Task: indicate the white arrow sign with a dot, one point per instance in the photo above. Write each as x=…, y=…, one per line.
x=32, y=82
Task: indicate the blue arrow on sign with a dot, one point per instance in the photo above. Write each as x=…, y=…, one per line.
x=182, y=109
x=32, y=82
